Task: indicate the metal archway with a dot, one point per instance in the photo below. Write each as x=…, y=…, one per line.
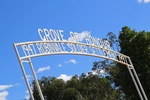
x=44, y=48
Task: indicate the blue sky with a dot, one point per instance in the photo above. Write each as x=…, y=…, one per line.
x=20, y=20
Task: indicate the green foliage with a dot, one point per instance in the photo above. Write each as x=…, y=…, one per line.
x=78, y=88
x=71, y=94
x=137, y=46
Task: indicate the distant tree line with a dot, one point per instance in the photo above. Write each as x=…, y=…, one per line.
x=78, y=88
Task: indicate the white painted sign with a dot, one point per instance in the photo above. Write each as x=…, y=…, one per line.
x=53, y=42
x=56, y=35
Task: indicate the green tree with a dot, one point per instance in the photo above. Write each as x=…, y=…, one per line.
x=78, y=88
x=56, y=89
x=95, y=88
x=137, y=46
x=71, y=94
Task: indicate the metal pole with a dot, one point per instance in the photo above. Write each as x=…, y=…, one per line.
x=36, y=80
x=24, y=73
x=135, y=83
x=140, y=85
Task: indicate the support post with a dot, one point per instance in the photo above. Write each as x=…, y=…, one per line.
x=135, y=83
x=140, y=85
x=135, y=76
x=24, y=73
x=36, y=80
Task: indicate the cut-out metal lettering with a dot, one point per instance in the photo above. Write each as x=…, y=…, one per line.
x=53, y=42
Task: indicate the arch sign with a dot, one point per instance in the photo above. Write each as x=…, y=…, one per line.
x=53, y=43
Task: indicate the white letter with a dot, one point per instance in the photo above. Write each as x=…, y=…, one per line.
x=47, y=35
x=52, y=34
x=74, y=36
x=39, y=31
x=61, y=31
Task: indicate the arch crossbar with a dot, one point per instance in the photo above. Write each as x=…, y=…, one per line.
x=27, y=50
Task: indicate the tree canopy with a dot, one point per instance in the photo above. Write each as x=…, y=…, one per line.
x=78, y=88
x=136, y=45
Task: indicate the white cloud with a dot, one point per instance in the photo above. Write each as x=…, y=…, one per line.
x=80, y=36
x=4, y=87
x=73, y=61
x=64, y=77
x=59, y=65
x=27, y=92
x=3, y=95
x=145, y=1
x=29, y=77
x=43, y=69
x=102, y=71
x=27, y=97
x=94, y=72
